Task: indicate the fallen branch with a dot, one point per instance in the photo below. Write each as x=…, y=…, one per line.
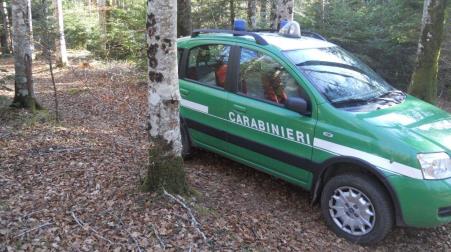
x=155, y=231
x=35, y=228
x=194, y=222
x=82, y=225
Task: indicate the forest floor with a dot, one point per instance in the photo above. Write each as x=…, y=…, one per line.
x=74, y=185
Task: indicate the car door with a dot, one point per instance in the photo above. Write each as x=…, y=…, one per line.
x=202, y=88
x=264, y=132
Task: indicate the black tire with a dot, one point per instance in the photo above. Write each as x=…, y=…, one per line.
x=381, y=207
x=186, y=142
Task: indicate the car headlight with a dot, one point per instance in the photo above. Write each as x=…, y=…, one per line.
x=435, y=165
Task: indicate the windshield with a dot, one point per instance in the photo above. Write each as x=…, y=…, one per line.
x=339, y=76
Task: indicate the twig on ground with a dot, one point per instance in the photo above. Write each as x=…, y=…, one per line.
x=62, y=150
x=128, y=232
x=35, y=228
x=81, y=224
x=194, y=222
x=155, y=231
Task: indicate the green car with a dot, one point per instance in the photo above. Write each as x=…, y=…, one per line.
x=304, y=110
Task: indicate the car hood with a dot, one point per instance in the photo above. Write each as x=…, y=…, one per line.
x=416, y=123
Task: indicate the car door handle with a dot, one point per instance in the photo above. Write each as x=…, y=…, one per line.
x=184, y=91
x=239, y=108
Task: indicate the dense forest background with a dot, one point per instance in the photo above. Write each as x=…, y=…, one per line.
x=382, y=33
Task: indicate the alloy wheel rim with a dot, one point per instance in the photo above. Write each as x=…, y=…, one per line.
x=352, y=211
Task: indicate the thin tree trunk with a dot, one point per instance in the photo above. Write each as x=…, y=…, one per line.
x=252, y=13
x=60, y=41
x=232, y=12
x=23, y=54
x=283, y=11
x=166, y=163
x=323, y=12
x=4, y=37
x=184, y=20
x=424, y=78
x=55, y=91
x=263, y=10
x=101, y=6
x=273, y=14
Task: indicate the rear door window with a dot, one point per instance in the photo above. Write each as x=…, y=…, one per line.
x=208, y=64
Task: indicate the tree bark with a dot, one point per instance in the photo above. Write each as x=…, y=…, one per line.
x=252, y=14
x=284, y=11
x=263, y=10
x=273, y=14
x=4, y=36
x=184, y=20
x=60, y=42
x=166, y=164
x=23, y=54
x=445, y=61
x=424, y=78
x=102, y=9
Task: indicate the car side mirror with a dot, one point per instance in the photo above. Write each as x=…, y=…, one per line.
x=297, y=104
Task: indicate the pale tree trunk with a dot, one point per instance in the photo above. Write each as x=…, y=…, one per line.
x=323, y=12
x=102, y=10
x=23, y=55
x=60, y=41
x=424, y=78
x=263, y=10
x=252, y=14
x=4, y=37
x=166, y=163
x=283, y=10
x=184, y=20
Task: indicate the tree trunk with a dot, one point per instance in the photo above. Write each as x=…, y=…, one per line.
x=166, y=164
x=102, y=9
x=323, y=12
x=445, y=61
x=184, y=20
x=424, y=78
x=23, y=54
x=232, y=12
x=252, y=14
x=263, y=10
x=4, y=37
x=283, y=10
x=60, y=42
x=273, y=15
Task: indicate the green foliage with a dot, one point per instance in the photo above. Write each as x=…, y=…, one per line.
x=124, y=27
x=80, y=26
x=382, y=33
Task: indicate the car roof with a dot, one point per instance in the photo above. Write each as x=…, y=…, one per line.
x=274, y=39
x=289, y=44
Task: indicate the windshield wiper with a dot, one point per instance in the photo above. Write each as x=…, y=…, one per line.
x=350, y=102
x=333, y=64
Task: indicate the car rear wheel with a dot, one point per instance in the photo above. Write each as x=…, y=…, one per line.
x=357, y=208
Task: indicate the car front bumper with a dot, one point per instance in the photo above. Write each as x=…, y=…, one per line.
x=423, y=203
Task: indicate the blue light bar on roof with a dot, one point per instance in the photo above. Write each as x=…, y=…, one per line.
x=282, y=23
x=239, y=25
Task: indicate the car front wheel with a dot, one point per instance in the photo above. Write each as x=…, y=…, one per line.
x=357, y=208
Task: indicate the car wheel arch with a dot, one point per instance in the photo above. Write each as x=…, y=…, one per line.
x=343, y=164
